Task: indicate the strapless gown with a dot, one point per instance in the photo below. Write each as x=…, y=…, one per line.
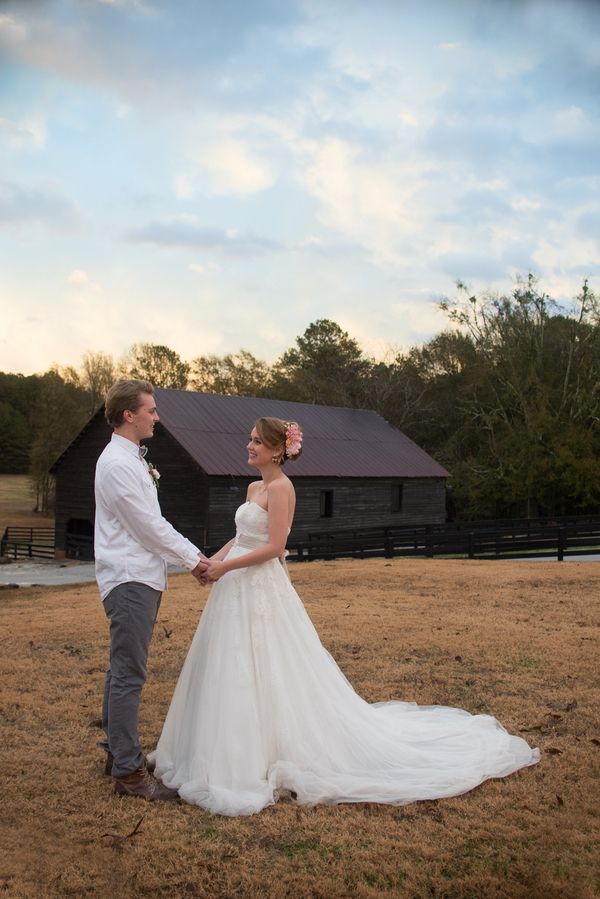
x=261, y=707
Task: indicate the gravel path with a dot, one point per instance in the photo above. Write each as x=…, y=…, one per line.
x=50, y=573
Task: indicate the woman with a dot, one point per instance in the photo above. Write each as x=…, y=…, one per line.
x=261, y=707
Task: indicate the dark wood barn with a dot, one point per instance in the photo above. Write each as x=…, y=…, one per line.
x=356, y=469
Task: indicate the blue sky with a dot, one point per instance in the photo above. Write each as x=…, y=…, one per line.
x=214, y=176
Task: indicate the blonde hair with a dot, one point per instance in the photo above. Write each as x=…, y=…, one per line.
x=273, y=433
x=122, y=396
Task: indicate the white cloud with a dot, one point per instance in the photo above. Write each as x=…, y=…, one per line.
x=196, y=267
x=571, y=121
x=28, y=133
x=525, y=204
x=184, y=185
x=407, y=118
x=234, y=169
x=81, y=279
x=369, y=203
x=10, y=29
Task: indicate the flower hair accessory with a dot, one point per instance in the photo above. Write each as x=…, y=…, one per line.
x=293, y=439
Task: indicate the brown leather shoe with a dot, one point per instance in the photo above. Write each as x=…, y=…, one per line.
x=141, y=784
x=150, y=765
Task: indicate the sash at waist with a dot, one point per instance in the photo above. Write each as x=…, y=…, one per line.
x=248, y=542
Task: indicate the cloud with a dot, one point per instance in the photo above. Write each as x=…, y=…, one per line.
x=472, y=264
x=138, y=50
x=30, y=133
x=81, y=279
x=11, y=31
x=30, y=204
x=234, y=169
x=355, y=158
x=228, y=167
x=371, y=203
x=186, y=232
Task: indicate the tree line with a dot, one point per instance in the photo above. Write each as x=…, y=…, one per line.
x=507, y=397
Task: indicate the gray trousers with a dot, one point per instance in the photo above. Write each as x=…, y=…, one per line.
x=131, y=609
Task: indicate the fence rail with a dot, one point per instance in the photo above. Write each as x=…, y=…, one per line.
x=518, y=539
x=27, y=543
x=504, y=539
x=80, y=546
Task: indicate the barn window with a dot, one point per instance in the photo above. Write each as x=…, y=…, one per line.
x=326, y=504
x=397, y=497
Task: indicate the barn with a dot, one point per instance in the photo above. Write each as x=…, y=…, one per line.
x=356, y=470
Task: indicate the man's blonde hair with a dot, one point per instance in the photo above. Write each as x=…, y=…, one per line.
x=122, y=396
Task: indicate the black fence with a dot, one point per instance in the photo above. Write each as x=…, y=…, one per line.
x=27, y=543
x=503, y=539
x=79, y=546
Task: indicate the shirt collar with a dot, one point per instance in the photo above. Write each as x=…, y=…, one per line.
x=129, y=446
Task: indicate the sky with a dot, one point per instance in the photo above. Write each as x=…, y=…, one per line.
x=217, y=175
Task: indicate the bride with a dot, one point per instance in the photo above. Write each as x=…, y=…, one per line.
x=261, y=707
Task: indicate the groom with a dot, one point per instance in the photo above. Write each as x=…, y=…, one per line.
x=132, y=544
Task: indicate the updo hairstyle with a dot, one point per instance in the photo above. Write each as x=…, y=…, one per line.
x=283, y=437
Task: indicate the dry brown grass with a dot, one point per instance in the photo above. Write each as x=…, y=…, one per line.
x=515, y=639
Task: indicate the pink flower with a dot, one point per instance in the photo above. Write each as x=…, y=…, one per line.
x=293, y=439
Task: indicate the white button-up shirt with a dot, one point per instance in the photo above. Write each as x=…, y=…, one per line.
x=132, y=540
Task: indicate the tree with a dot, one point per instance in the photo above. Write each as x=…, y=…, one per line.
x=236, y=374
x=98, y=374
x=60, y=412
x=15, y=440
x=17, y=399
x=95, y=375
x=325, y=366
x=534, y=379
x=158, y=364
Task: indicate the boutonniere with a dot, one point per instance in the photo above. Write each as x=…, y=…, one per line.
x=154, y=473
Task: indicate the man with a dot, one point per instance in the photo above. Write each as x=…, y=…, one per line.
x=133, y=543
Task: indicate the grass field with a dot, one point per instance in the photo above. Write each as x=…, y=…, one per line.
x=519, y=640
x=17, y=503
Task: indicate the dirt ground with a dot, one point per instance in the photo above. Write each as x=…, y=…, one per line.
x=519, y=640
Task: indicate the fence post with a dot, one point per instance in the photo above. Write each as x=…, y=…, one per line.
x=471, y=546
x=388, y=548
x=428, y=542
x=561, y=543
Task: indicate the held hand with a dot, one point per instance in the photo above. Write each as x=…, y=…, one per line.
x=199, y=572
x=216, y=569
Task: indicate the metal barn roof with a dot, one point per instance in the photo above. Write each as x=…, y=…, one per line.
x=338, y=442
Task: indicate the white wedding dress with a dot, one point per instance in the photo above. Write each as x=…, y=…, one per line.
x=261, y=707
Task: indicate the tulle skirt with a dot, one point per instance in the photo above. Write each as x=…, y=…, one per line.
x=261, y=707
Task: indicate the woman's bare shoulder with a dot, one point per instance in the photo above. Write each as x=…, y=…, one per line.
x=281, y=487
x=253, y=486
